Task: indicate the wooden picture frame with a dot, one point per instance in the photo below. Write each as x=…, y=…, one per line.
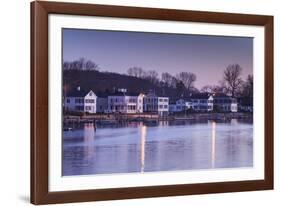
x=40, y=193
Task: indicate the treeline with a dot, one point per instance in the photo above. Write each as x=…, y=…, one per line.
x=80, y=64
x=183, y=81
x=86, y=73
x=231, y=84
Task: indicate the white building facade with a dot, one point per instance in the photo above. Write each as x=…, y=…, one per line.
x=153, y=103
x=81, y=101
x=202, y=102
x=122, y=103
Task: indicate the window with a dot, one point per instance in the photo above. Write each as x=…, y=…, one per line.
x=203, y=101
x=88, y=108
x=79, y=100
x=89, y=100
x=67, y=100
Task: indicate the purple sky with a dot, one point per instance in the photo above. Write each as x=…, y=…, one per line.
x=206, y=56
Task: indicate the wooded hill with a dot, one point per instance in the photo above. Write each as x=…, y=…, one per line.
x=106, y=82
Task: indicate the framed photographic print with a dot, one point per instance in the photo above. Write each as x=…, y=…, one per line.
x=133, y=102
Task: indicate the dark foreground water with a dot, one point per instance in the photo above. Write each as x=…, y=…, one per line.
x=164, y=146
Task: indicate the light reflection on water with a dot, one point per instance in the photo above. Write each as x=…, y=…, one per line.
x=166, y=146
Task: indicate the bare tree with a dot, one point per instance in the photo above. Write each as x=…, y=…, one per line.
x=66, y=65
x=167, y=78
x=207, y=89
x=232, y=79
x=174, y=82
x=152, y=76
x=80, y=64
x=248, y=87
x=213, y=89
x=187, y=79
x=136, y=72
x=89, y=65
x=219, y=89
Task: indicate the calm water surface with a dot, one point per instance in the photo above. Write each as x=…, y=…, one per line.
x=165, y=146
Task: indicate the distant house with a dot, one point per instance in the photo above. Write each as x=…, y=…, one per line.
x=81, y=100
x=180, y=105
x=156, y=104
x=202, y=102
x=123, y=102
x=224, y=103
x=246, y=104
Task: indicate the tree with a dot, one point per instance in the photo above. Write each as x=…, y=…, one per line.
x=248, y=87
x=136, y=72
x=167, y=79
x=174, y=82
x=152, y=76
x=207, y=89
x=180, y=89
x=80, y=64
x=187, y=78
x=66, y=65
x=89, y=65
x=213, y=89
x=232, y=79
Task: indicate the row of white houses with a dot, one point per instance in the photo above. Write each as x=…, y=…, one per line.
x=205, y=102
x=122, y=102
x=119, y=102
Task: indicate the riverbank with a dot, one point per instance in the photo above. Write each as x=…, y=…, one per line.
x=105, y=119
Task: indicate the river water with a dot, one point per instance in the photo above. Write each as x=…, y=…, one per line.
x=163, y=146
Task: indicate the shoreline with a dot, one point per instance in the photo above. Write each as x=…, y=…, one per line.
x=105, y=119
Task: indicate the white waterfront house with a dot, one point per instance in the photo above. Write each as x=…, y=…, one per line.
x=80, y=100
x=224, y=103
x=122, y=102
x=153, y=103
x=202, y=102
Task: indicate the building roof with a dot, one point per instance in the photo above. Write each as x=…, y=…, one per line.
x=220, y=95
x=77, y=93
x=117, y=93
x=200, y=96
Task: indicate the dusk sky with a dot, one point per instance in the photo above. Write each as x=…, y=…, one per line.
x=205, y=56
